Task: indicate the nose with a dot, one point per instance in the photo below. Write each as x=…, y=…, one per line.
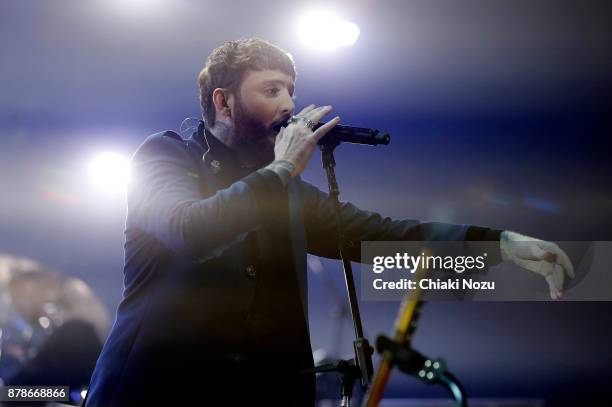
x=287, y=106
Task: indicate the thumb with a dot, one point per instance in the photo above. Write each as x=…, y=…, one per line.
x=279, y=137
x=280, y=133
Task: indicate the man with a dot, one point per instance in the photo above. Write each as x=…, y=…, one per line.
x=218, y=227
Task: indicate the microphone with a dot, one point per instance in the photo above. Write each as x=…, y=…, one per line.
x=349, y=134
x=355, y=135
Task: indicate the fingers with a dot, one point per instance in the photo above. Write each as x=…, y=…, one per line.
x=552, y=273
x=323, y=130
x=553, y=288
x=567, y=264
x=555, y=282
x=317, y=113
x=311, y=111
x=541, y=257
x=562, y=259
x=551, y=252
x=314, y=114
x=306, y=110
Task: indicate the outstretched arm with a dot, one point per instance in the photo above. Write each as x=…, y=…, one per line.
x=544, y=258
x=360, y=225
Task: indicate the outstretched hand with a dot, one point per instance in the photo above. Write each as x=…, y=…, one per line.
x=539, y=256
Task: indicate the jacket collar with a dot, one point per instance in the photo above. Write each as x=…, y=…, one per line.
x=219, y=158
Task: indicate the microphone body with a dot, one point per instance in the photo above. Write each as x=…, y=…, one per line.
x=349, y=134
x=355, y=135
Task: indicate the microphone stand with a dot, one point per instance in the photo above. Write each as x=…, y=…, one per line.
x=360, y=367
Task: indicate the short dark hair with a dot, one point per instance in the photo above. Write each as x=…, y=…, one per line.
x=227, y=63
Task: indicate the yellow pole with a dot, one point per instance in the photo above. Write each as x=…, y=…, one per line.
x=405, y=325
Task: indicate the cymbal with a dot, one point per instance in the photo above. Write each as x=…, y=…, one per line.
x=42, y=295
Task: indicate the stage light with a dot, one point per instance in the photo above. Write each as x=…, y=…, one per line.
x=109, y=172
x=324, y=30
x=137, y=7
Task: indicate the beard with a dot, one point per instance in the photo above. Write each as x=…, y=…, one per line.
x=252, y=135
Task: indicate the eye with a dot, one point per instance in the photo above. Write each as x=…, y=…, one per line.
x=272, y=91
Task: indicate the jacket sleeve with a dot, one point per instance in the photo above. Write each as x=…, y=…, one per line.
x=359, y=225
x=165, y=201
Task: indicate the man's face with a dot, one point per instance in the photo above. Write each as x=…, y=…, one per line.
x=262, y=103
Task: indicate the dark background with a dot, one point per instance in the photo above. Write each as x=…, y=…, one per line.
x=498, y=113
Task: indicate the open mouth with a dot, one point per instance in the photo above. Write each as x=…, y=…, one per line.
x=276, y=127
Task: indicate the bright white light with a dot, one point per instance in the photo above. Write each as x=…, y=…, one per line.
x=137, y=7
x=83, y=394
x=44, y=322
x=110, y=172
x=322, y=29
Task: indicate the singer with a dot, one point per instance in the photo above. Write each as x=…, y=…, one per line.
x=217, y=232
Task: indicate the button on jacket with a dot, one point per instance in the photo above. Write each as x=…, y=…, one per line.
x=215, y=298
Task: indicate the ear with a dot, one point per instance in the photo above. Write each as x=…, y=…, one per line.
x=224, y=102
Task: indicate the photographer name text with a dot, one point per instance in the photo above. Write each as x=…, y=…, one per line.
x=433, y=284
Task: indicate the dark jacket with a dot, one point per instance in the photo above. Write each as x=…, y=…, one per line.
x=215, y=296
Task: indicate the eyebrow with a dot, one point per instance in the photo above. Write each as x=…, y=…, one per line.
x=281, y=83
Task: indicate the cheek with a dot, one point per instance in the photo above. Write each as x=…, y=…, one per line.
x=265, y=108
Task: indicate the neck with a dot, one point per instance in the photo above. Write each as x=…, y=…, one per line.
x=227, y=136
